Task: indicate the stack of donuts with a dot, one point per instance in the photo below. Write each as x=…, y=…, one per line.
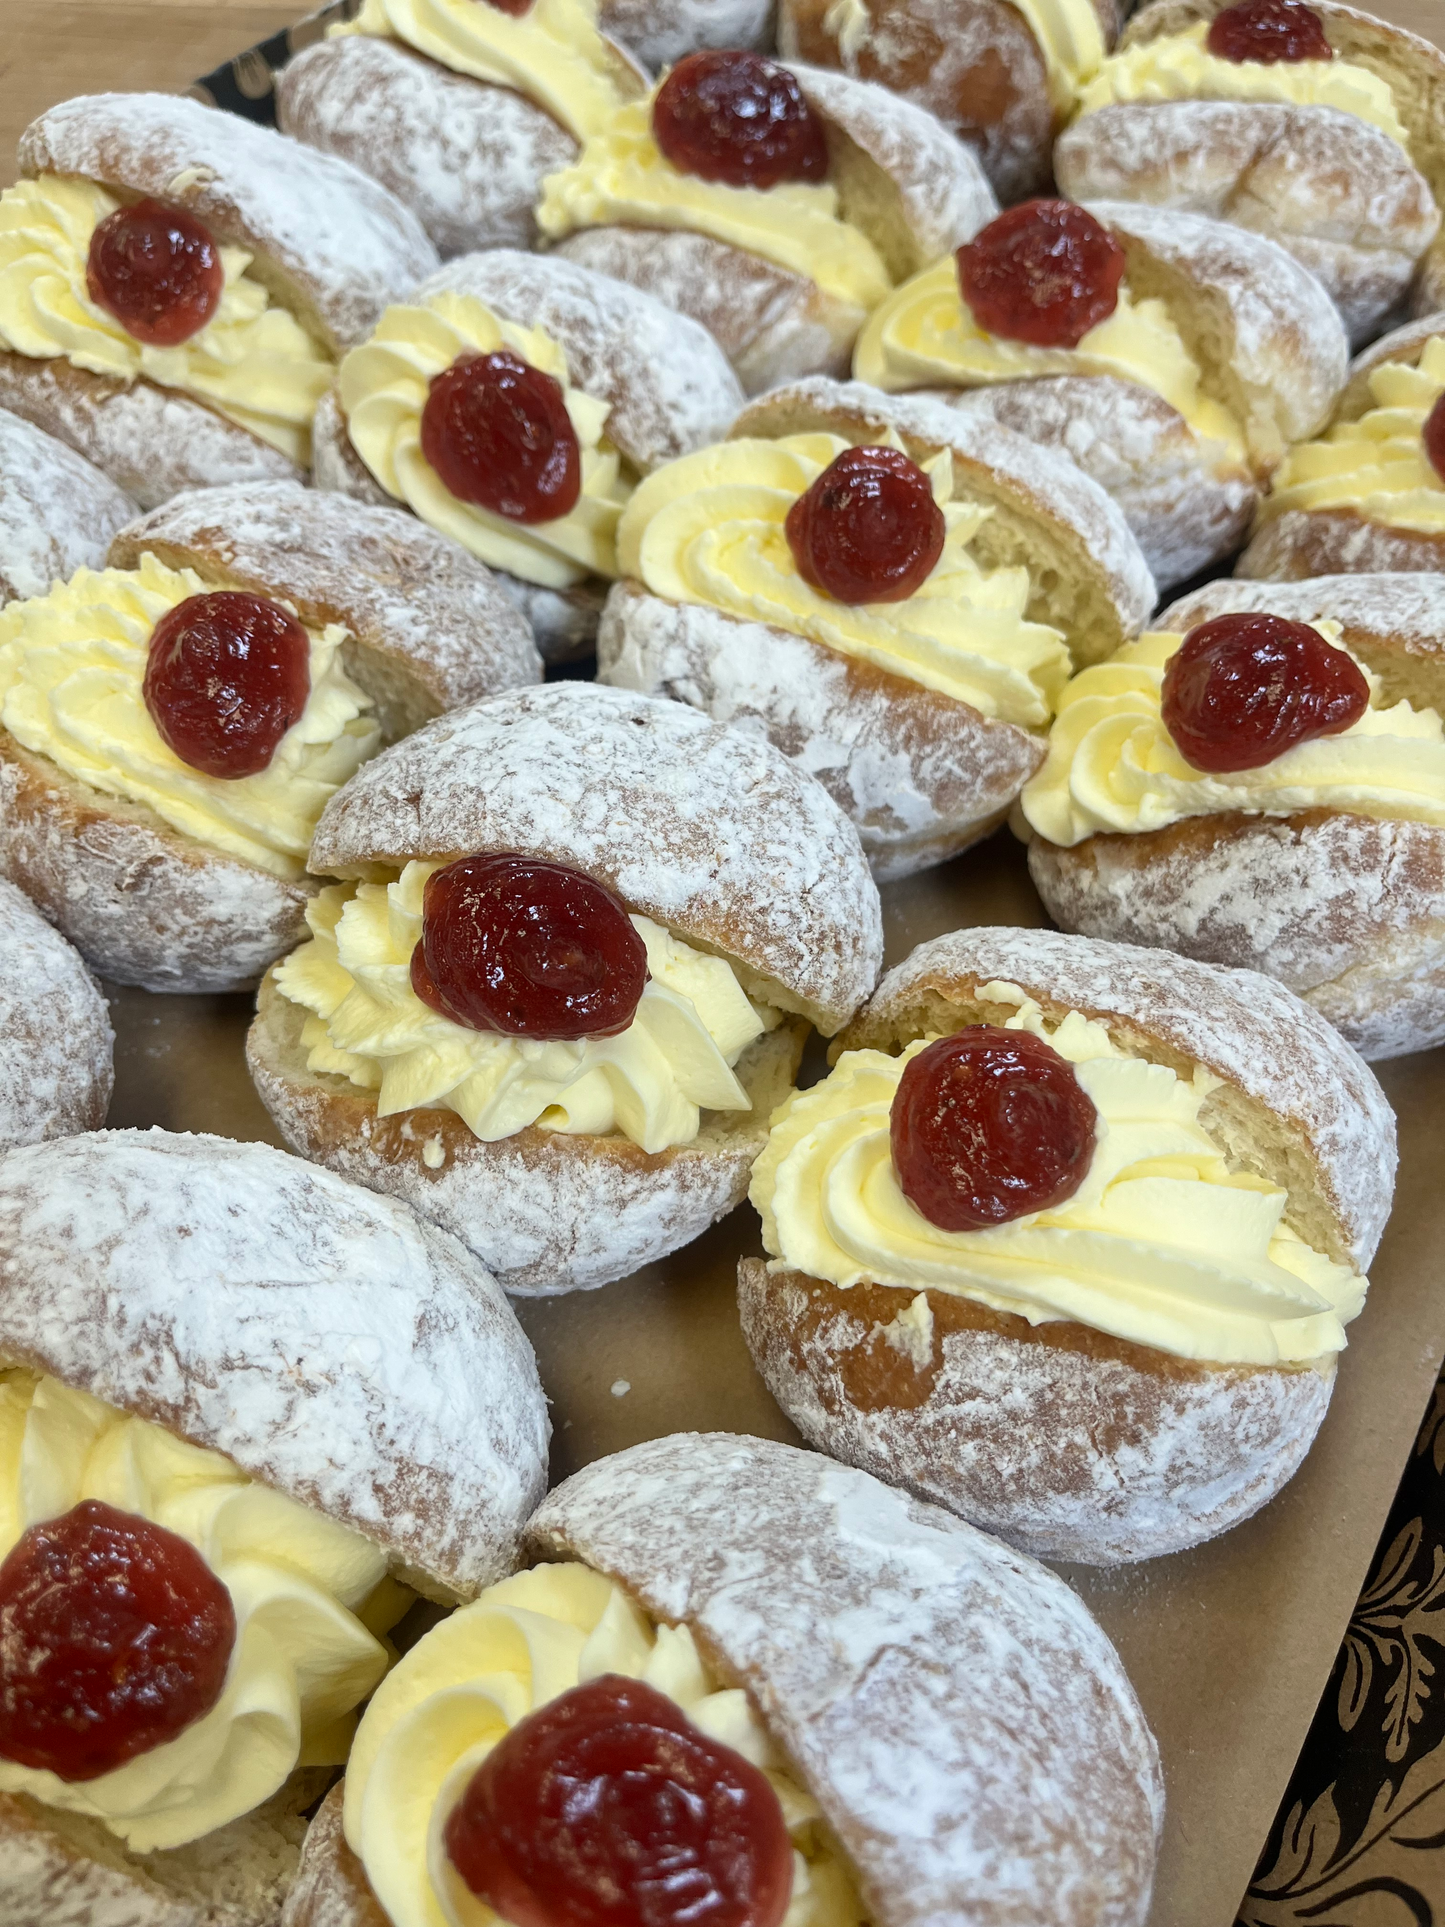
x=498, y=570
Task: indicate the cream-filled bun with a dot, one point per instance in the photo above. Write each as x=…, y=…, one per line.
x=567, y=1157
x=1365, y=496
x=161, y=872
x=284, y=257
x=634, y=384
x=662, y=31
x=1003, y=77
x=298, y=1397
x=1133, y=1365
x=57, y=511
x=1324, y=867
x=1331, y=146
x=923, y=717
x=56, y=1043
x=1217, y=347
x=783, y=276
x=460, y=110
x=948, y=1733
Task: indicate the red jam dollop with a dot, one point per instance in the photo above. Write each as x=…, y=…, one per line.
x=516, y=8
x=1268, y=31
x=990, y=1125
x=115, y=1636
x=739, y=119
x=157, y=270
x=227, y=675
x=497, y=432
x=528, y=948
x=607, y=1807
x=1241, y=690
x=868, y=530
x=1045, y=272
x=1433, y=436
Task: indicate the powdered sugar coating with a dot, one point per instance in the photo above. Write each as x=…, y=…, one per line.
x=56, y=1043
x=668, y=382
x=57, y=511
x=467, y=159
x=1403, y=613
x=662, y=31
x=331, y=236
x=325, y=1339
x=331, y=1888
x=967, y=1729
x=702, y=828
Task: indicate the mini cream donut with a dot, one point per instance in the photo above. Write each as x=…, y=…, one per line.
x=1222, y=327
x=1002, y=77
x=1330, y=157
x=641, y=384
x=57, y=511
x=783, y=277
x=460, y=110
x=160, y=874
x=1144, y=1364
x=566, y=1165
x=329, y=1401
x=311, y=251
x=1324, y=868
x=948, y=1733
x=56, y=1043
x=923, y=718
x=1364, y=496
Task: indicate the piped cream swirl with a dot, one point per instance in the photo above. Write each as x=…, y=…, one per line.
x=305, y=1590
x=467, y=1682
x=1164, y=1243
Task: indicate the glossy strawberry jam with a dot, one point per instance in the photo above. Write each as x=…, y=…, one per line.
x=1268, y=31
x=607, y=1807
x=1044, y=272
x=157, y=270
x=1241, y=690
x=532, y=949
x=868, y=530
x=738, y=119
x=227, y=675
x=990, y=1125
x=115, y=1636
x=1433, y=436
x=497, y=432
x=516, y=8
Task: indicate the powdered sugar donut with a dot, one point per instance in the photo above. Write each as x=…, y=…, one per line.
x=56, y=1043
x=57, y=511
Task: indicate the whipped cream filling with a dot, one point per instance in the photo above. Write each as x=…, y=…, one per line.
x=463, y=1686
x=1376, y=465
x=925, y=335
x=252, y=362
x=72, y=670
x=621, y=179
x=1164, y=1243
x=710, y=529
x=1113, y=766
x=651, y=1082
x=1071, y=39
x=384, y=384
x=311, y=1598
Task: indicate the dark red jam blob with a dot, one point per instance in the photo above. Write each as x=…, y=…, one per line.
x=1243, y=689
x=157, y=270
x=1045, y=272
x=607, y=1807
x=115, y=1636
x=738, y=119
x=497, y=432
x=1268, y=31
x=516, y=8
x=532, y=949
x=1433, y=436
x=868, y=530
x=989, y=1125
x=227, y=676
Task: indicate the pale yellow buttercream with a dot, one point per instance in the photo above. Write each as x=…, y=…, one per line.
x=301, y=1586
x=709, y=529
x=72, y=669
x=1165, y=1243
x=462, y=1687
x=1113, y=766
x=253, y=361
x=384, y=384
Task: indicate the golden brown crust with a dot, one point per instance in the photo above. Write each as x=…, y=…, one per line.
x=1303, y=542
x=331, y=1888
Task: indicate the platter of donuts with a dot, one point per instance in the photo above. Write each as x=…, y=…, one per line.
x=722, y=938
